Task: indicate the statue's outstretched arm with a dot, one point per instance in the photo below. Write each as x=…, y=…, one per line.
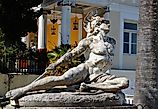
x=77, y=51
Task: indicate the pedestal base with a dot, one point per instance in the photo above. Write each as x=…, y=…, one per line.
x=106, y=107
x=71, y=100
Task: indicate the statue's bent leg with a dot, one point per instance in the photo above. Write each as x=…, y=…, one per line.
x=72, y=76
x=112, y=85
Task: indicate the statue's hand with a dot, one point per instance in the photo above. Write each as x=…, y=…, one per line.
x=109, y=48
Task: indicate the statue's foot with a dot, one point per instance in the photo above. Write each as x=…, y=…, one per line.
x=15, y=94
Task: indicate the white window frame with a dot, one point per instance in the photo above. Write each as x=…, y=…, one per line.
x=130, y=31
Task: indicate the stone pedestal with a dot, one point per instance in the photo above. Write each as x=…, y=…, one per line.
x=70, y=100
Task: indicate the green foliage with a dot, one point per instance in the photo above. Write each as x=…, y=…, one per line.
x=11, y=50
x=58, y=52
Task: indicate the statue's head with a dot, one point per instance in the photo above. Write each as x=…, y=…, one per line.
x=105, y=26
x=94, y=20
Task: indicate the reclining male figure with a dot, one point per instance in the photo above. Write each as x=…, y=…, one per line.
x=91, y=74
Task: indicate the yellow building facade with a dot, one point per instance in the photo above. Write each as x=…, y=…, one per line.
x=53, y=34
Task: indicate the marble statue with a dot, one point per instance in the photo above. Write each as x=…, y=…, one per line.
x=97, y=48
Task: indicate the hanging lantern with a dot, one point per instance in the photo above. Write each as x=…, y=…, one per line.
x=75, y=24
x=54, y=20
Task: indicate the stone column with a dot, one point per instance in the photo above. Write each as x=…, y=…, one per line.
x=80, y=27
x=42, y=32
x=59, y=32
x=65, y=24
x=42, y=50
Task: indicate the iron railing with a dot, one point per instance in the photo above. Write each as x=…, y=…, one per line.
x=22, y=65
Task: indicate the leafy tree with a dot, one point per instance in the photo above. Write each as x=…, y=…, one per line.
x=1, y=44
x=17, y=18
x=8, y=51
x=147, y=60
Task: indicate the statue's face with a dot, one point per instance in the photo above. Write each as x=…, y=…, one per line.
x=100, y=22
x=105, y=25
x=96, y=23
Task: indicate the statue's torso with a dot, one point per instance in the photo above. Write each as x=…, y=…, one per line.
x=99, y=45
x=99, y=59
x=99, y=48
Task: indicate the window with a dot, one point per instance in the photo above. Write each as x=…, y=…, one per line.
x=130, y=38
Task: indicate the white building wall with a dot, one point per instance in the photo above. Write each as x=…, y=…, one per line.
x=122, y=61
x=114, y=18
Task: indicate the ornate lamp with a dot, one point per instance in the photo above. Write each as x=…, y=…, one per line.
x=54, y=20
x=75, y=24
